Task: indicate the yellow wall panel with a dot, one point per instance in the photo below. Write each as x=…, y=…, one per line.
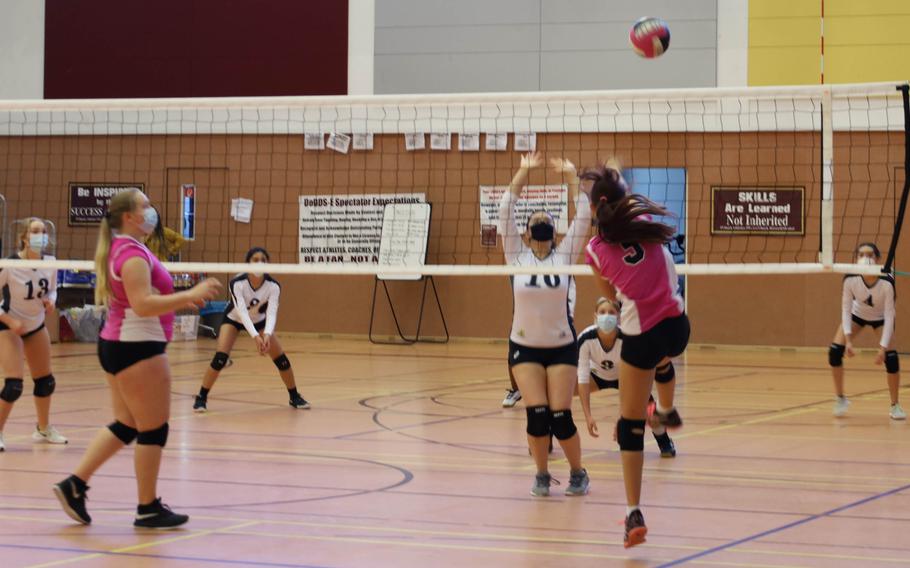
x=867, y=30
x=785, y=8
x=784, y=66
x=863, y=7
x=784, y=31
x=866, y=64
x=784, y=42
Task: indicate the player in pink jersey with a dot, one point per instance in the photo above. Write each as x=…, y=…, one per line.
x=140, y=294
x=633, y=265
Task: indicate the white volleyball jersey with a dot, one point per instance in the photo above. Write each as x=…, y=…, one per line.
x=249, y=306
x=871, y=303
x=594, y=357
x=24, y=291
x=543, y=304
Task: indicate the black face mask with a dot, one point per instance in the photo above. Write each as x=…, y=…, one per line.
x=542, y=232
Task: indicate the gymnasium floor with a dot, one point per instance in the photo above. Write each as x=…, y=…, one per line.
x=407, y=459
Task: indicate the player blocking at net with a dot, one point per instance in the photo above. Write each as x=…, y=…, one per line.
x=867, y=301
x=254, y=308
x=29, y=296
x=632, y=265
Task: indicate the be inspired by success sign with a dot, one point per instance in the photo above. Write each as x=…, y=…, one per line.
x=758, y=211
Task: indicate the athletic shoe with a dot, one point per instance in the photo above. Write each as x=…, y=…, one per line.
x=157, y=515
x=578, y=483
x=71, y=492
x=298, y=401
x=2, y=445
x=542, y=483
x=841, y=404
x=671, y=419
x=199, y=404
x=512, y=398
x=636, y=531
x=50, y=435
x=897, y=413
x=666, y=445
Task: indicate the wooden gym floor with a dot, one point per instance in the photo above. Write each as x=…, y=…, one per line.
x=407, y=459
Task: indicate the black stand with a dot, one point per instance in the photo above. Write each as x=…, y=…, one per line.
x=423, y=298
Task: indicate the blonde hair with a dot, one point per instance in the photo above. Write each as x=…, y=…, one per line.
x=121, y=203
x=26, y=229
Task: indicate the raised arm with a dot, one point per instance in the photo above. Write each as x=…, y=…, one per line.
x=511, y=238
x=580, y=228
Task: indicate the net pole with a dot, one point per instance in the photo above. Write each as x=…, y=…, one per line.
x=826, y=256
x=898, y=223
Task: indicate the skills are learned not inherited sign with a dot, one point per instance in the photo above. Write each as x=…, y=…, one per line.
x=758, y=211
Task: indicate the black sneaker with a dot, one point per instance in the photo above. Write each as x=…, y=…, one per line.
x=636, y=531
x=157, y=515
x=671, y=419
x=298, y=401
x=71, y=493
x=199, y=405
x=666, y=445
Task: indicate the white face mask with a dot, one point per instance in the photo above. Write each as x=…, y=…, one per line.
x=867, y=260
x=149, y=221
x=37, y=241
x=607, y=322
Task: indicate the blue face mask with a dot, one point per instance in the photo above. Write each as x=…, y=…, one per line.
x=149, y=221
x=607, y=322
x=37, y=241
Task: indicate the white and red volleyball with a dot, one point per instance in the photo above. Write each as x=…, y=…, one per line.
x=650, y=37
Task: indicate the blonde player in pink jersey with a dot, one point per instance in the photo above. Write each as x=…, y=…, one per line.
x=632, y=264
x=140, y=295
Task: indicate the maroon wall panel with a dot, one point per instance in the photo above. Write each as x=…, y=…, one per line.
x=195, y=48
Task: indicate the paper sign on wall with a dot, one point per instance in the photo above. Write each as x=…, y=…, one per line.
x=414, y=141
x=497, y=142
x=339, y=142
x=469, y=142
x=525, y=141
x=363, y=141
x=314, y=141
x=551, y=198
x=242, y=210
x=440, y=141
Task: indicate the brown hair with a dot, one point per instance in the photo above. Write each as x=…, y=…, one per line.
x=121, y=203
x=26, y=229
x=617, y=211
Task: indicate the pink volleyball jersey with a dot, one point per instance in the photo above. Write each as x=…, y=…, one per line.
x=122, y=323
x=645, y=280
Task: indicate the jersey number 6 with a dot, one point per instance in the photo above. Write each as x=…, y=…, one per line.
x=634, y=253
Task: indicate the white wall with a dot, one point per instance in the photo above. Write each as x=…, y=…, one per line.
x=732, y=43
x=361, y=31
x=21, y=49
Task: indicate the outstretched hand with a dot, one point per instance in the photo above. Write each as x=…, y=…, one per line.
x=531, y=160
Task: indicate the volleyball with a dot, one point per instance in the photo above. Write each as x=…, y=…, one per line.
x=650, y=37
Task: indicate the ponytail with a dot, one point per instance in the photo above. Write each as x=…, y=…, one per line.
x=619, y=213
x=102, y=253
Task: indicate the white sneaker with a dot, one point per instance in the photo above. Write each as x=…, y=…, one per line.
x=897, y=413
x=2, y=445
x=51, y=436
x=512, y=398
x=841, y=404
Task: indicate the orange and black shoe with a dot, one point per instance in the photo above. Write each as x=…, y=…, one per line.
x=636, y=531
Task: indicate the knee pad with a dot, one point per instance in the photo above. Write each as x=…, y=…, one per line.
x=892, y=362
x=219, y=361
x=123, y=432
x=631, y=435
x=562, y=425
x=156, y=437
x=665, y=374
x=282, y=362
x=45, y=386
x=12, y=390
x=836, y=354
x=538, y=421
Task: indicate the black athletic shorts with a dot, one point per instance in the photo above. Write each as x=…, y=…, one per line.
x=4, y=327
x=546, y=356
x=666, y=339
x=116, y=356
x=604, y=383
x=863, y=323
x=257, y=326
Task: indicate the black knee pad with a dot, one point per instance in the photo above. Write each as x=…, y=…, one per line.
x=282, y=362
x=892, y=362
x=836, y=354
x=538, y=421
x=123, y=432
x=562, y=425
x=665, y=374
x=45, y=386
x=156, y=437
x=12, y=390
x=219, y=361
x=631, y=435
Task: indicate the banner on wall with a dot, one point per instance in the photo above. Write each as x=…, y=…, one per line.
x=90, y=201
x=188, y=211
x=758, y=211
x=551, y=198
x=345, y=228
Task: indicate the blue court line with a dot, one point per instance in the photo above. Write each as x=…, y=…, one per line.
x=782, y=528
x=221, y=561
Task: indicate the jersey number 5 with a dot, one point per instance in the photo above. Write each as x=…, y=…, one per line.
x=634, y=253
x=43, y=284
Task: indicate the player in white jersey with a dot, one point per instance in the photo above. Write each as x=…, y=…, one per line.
x=254, y=308
x=867, y=301
x=29, y=295
x=542, y=350
x=599, y=348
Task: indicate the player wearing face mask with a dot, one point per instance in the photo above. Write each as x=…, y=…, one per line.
x=253, y=308
x=599, y=348
x=867, y=301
